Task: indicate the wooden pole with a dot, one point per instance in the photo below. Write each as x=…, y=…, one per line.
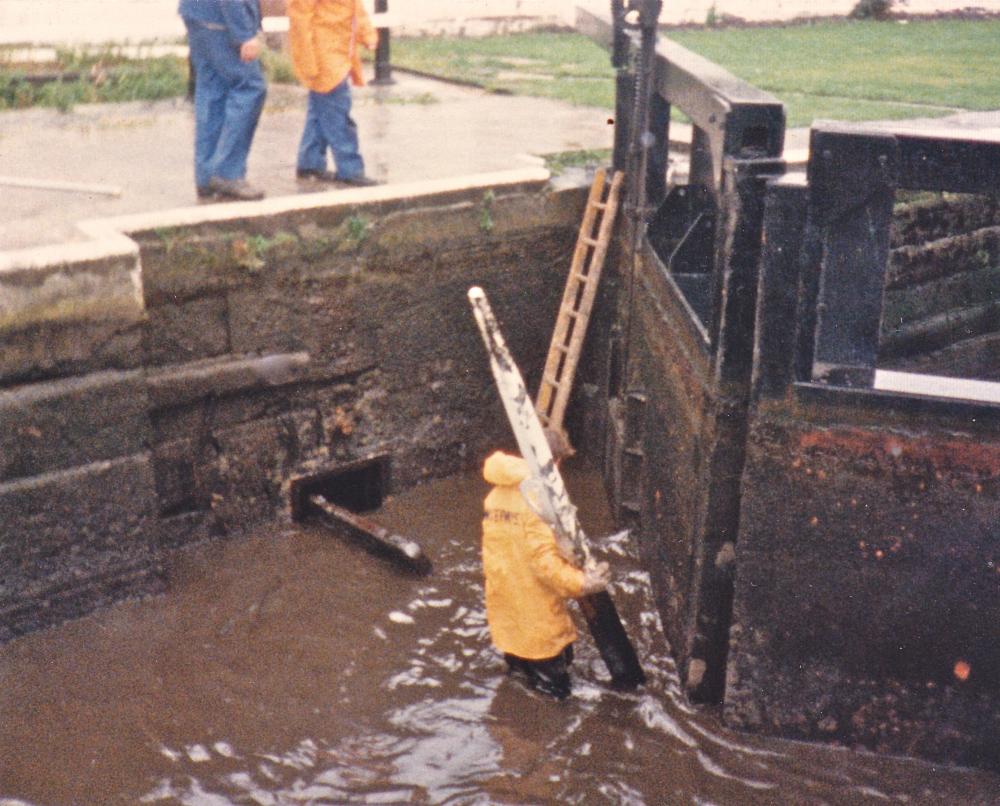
x=377, y=539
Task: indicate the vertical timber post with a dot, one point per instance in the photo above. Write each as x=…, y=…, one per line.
x=783, y=233
x=659, y=132
x=383, y=65
x=623, y=87
x=852, y=185
x=633, y=457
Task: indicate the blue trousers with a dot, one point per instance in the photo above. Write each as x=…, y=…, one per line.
x=329, y=125
x=228, y=99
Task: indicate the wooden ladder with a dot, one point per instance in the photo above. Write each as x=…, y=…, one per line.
x=578, y=299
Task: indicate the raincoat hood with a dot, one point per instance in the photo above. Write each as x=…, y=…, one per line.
x=503, y=470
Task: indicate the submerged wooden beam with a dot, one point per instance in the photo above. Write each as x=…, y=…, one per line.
x=376, y=539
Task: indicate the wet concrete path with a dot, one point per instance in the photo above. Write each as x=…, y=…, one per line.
x=291, y=668
x=415, y=129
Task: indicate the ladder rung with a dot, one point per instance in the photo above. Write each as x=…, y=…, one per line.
x=589, y=241
x=600, y=205
x=551, y=381
x=569, y=312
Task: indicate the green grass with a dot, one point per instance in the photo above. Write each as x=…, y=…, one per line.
x=565, y=66
x=277, y=67
x=862, y=70
x=105, y=76
x=561, y=161
x=849, y=70
x=846, y=70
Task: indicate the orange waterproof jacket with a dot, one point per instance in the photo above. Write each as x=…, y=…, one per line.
x=527, y=579
x=324, y=36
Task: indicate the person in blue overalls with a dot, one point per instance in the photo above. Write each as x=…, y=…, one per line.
x=229, y=93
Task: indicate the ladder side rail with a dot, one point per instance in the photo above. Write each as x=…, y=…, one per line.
x=552, y=373
x=580, y=252
x=584, y=305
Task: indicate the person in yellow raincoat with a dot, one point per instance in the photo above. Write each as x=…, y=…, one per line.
x=529, y=578
x=324, y=37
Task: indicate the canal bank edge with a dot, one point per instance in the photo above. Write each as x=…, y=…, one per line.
x=163, y=384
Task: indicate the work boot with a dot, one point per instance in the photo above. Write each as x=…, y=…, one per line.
x=237, y=189
x=316, y=175
x=332, y=178
x=361, y=181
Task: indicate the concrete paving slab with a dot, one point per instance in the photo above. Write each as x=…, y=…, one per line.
x=414, y=129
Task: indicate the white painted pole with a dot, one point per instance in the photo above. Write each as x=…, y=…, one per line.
x=527, y=427
x=69, y=187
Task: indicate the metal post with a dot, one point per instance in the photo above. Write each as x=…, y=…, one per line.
x=638, y=156
x=383, y=67
x=624, y=87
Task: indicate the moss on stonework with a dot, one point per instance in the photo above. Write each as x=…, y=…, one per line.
x=70, y=309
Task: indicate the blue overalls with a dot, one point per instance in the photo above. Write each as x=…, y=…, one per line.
x=229, y=93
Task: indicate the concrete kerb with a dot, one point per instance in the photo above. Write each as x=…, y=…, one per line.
x=108, y=229
x=97, y=285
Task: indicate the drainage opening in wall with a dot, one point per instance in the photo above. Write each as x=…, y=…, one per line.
x=333, y=499
x=357, y=486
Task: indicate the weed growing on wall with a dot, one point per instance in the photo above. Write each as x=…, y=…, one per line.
x=486, y=212
x=357, y=229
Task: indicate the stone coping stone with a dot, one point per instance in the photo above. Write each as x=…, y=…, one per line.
x=74, y=285
x=110, y=238
x=393, y=196
x=72, y=308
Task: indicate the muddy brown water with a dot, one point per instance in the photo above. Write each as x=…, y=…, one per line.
x=292, y=668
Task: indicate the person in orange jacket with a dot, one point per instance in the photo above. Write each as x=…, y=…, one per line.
x=529, y=578
x=324, y=37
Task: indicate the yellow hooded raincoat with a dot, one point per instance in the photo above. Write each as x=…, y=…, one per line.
x=324, y=36
x=527, y=579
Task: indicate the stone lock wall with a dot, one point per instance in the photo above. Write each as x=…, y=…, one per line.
x=265, y=342
x=77, y=510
